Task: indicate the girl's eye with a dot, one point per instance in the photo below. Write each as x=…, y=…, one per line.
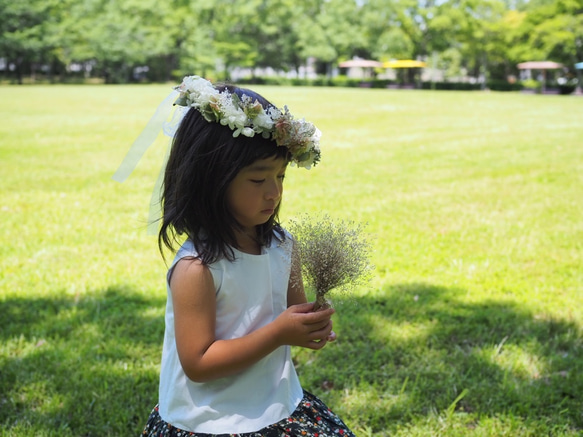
x=260, y=181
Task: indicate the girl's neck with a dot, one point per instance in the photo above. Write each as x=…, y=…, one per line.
x=248, y=242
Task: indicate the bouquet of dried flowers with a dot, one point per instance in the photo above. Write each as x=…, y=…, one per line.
x=333, y=255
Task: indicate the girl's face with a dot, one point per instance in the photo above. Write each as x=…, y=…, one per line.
x=256, y=191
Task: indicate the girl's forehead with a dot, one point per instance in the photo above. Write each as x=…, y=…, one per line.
x=267, y=164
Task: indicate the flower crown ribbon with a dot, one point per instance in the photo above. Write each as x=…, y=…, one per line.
x=145, y=139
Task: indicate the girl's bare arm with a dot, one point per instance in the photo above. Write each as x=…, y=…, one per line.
x=205, y=358
x=295, y=290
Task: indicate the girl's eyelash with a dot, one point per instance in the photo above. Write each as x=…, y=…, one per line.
x=258, y=181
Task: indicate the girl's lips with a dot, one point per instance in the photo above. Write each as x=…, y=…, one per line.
x=268, y=211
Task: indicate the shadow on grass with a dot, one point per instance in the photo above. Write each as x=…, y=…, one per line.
x=89, y=366
x=410, y=351
x=85, y=366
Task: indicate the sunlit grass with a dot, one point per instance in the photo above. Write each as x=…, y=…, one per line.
x=471, y=324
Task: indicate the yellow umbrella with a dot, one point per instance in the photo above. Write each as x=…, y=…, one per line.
x=404, y=63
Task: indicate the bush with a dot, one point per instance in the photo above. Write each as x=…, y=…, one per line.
x=531, y=84
x=380, y=83
x=300, y=82
x=344, y=81
x=251, y=81
x=503, y=85
x=281, y=81
x=451, y=86
x=566, y=89
x=567, y=85
x=320, y=81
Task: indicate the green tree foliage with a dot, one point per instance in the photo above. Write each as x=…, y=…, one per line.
x=555, y=30
x=111, y=39
x=30, y=34
x=116, y=36
x=472, y=28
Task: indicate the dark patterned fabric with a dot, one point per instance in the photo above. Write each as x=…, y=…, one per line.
x=312, y=418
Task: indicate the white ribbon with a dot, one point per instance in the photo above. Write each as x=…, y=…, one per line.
x=155, y=201
x=145, y=139
x=157, y=123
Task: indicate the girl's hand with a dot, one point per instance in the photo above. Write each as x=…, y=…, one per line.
x=300, y=326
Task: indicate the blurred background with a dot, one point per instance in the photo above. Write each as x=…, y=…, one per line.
x=452, y=44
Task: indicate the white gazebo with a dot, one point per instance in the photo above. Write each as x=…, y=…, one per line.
x=541, y=66
x=361, y=68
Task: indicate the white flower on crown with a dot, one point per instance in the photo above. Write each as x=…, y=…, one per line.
x=232, y=115
x=248, y=117
x=198, y=92
x=263, y=124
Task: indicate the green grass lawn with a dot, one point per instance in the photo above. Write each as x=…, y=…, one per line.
x=471, y=325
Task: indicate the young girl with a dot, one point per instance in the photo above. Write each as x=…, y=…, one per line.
x=236, y=302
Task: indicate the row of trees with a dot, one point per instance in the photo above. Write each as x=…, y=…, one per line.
x=63, y=39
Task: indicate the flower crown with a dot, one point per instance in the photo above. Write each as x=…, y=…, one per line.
x=245, y=116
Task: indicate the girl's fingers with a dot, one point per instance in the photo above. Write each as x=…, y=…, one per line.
x=316, y=345
x=319, y=339
x=318, y=317
x=322, y=333
x=322, y=325
x=317, y=327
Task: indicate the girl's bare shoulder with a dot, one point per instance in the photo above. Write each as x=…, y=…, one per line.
x=190, y=274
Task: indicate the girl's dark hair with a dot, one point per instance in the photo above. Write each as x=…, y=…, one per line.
x=203, y=161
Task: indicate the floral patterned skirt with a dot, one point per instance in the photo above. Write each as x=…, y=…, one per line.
x=311, y=418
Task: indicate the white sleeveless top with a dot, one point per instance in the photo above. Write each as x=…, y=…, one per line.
x=251, y=292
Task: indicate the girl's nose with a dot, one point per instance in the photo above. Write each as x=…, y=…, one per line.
x=274, y=191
